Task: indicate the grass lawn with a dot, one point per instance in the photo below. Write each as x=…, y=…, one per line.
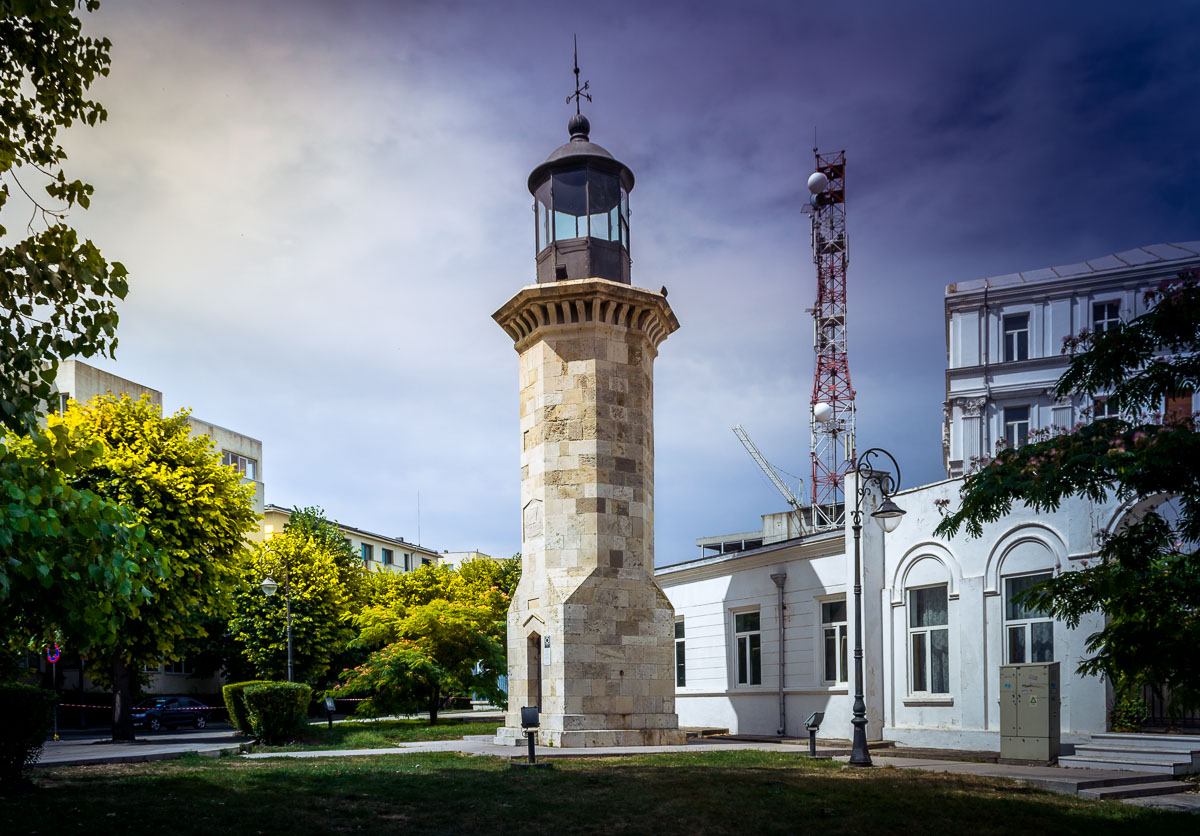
x=377, y=734
x=724, y=792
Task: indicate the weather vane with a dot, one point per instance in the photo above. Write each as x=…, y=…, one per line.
x=580, y=92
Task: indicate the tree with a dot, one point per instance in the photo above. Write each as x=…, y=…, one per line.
x=1147, y=577
x=433, y=632
x=68, y=554
x=195, y=512
x=57, y=295
x=328, y=586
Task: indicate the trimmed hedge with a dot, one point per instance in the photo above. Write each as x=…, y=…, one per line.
x=276, y=709
x=26, y=713
x=236, y=704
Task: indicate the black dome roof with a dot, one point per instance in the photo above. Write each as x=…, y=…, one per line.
x=578, y=151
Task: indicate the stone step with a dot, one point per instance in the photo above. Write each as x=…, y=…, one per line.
x=694, y=732
x=1126, y=779
x=1075, y=762
x=1138, y=790
x=1098, y=753
x=1158, y=742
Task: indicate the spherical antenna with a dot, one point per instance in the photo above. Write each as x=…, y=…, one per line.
x=822, y=413
x=817, y=182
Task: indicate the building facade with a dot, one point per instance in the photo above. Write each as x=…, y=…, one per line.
x=81, y=382
x=379, y=552
x=769, y=628
x=763, y=619
x=1004, y=339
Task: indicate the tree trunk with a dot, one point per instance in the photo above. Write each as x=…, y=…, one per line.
x=122, y=716
x=435, y=697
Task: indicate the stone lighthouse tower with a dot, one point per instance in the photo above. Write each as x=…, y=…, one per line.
x=590, y=633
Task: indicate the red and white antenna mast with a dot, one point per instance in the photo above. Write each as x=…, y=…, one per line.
x=832, y=414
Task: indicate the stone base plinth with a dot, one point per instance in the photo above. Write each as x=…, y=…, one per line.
x=581, y=738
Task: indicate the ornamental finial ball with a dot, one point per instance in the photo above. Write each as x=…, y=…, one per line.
x=579, y=126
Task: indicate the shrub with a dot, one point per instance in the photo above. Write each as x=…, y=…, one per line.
x=236, y=704
x=276, y=709
x=1129, y=711
x=26, y=713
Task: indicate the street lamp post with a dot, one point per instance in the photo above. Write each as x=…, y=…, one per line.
x=888, y=516
x=270, y=588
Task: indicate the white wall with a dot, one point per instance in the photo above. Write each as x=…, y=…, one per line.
x=706, y=593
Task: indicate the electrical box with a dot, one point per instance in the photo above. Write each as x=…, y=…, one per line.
x=1030, y=721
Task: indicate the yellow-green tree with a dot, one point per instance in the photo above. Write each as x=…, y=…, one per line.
x=433, y=633
x=327, y=584
x=195, y=512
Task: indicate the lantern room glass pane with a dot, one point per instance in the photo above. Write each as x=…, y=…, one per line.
x=604, y=196
x=570, y=205
x=544, y=232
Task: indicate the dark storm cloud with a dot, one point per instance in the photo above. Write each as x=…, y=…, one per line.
x=358, y=172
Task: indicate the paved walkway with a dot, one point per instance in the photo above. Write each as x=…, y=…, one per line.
x=482, y=745
x=82, y=749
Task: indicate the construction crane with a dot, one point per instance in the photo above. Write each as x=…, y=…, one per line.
x=831, y=419
x=779, y=484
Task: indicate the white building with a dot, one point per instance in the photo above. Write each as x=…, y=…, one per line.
x=455, y=560
x=764, y=620
x=80, y=382
x=379, y=552
x=1004, y=338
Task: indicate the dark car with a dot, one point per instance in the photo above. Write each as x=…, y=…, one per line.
x=167, y=712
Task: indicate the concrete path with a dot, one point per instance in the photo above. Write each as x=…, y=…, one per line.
x=80, y=749
x=482, y=745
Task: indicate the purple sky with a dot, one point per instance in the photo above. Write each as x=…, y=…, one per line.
x=321, y=204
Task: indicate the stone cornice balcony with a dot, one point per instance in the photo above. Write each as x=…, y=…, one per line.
x=579, y=301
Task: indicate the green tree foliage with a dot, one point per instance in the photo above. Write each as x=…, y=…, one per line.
x=69, y=555
x=57, y=294
x=433, y=632
x=328, y=586
x=195, y=512
x=1147, y=577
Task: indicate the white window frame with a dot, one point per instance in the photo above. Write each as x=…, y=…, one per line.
x=841, y=635
x=926, y=631
x=1005, y=333
x=1106, y=322
x=736, y=646
x=241, y=464
x=1026, y=624
x=1014, y=441
x=680, y=653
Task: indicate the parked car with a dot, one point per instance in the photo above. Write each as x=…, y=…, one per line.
x=167, y=712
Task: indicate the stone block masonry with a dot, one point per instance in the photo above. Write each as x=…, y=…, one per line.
x=590, y=633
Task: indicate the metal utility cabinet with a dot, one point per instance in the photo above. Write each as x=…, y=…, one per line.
x=1029, y=711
